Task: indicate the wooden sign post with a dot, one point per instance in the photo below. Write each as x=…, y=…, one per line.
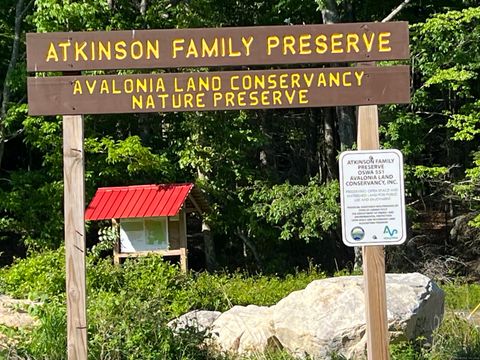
x=373, y=256
x=76, y=95
x=74, y=204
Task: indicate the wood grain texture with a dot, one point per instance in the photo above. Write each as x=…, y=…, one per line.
x=373, y=256
x=90, y=58
x=166, y=92
x=74, y=205
x=183, y=241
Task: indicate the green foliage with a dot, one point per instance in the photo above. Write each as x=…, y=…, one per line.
x=462, y=296
x=129, y=305
x=302, y=212
x=411, y=350
x=456, y=338
x=128, y=157
x=40, y=276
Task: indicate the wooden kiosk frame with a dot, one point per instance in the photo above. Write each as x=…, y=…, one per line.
x=74, y=96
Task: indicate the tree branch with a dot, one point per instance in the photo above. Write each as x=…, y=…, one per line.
x=396, y=11
x=11, y=66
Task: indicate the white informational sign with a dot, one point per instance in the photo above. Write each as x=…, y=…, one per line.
x=372, y=197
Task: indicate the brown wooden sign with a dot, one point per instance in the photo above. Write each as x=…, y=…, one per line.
x=261, y=89
x=72, y=51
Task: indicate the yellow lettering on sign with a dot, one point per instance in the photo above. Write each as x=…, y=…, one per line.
x=91, y=86
x=290, y=96
x=104, y=87
x=321, y=44
x=253, y=97
x=141, y=85
x=199, y=100
x=272, y=42
x=52, y=53
x=216, y=83
x=203, y=84
x=359, y=76
x=153, y=50
x=344, y=78
x=160, y=85
x=120, y=52
x=229, y=96
x=191, y=84
x=368, y=41
x=128, y=86
x=277, y=97
x=241, y=98
x=246, y=43
x=383, y=42
x=264, y=98
x=288, y=43
x=231, y=52
x=192, y=50
x=150, y=104
x=352, y=43
x=233, y=82
x=302, y=96
x=336, y=43
x=77, y=88
x=295, y=79
x=137, y=102
x=136, y=50
x=334, y=78
x=321, y=81
x=64, y=45
x=210, y=51
x=176, y=101
x=177, y=47
x=272, y=81
x=283, y=81
x=259, y=81
x=114, y=87
x=216, y=98
x=304, y=46
x=104, y=51
x=188, y=100
x=79, y=51
x=163, y=98
x=176, y=86
x=308, y=78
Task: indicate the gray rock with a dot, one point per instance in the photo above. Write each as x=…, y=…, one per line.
x=201, y=320
x=329, y=315
x=244, y=330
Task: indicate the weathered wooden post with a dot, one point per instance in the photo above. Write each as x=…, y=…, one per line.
x=74, y=205
x=373, y=256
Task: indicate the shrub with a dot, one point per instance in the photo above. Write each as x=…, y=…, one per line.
x=39, y=276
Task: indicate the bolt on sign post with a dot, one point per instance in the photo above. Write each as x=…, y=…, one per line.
x=76, y=95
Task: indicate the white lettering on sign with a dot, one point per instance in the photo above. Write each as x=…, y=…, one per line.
x=372, y=197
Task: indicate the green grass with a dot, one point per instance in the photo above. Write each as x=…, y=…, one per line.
x=129, y=306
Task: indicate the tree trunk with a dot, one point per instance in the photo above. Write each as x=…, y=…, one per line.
x=251, y=246
x=19, y=13
x=208, y=243
x=330, y=170
x=346, y=126
x=143, y=7
x=209, y=248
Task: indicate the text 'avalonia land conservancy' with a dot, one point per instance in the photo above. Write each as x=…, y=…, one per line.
x=218, y=90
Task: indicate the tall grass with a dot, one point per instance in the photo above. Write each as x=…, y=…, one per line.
x=129, y=306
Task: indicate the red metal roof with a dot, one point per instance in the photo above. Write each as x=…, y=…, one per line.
x=137, y=201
